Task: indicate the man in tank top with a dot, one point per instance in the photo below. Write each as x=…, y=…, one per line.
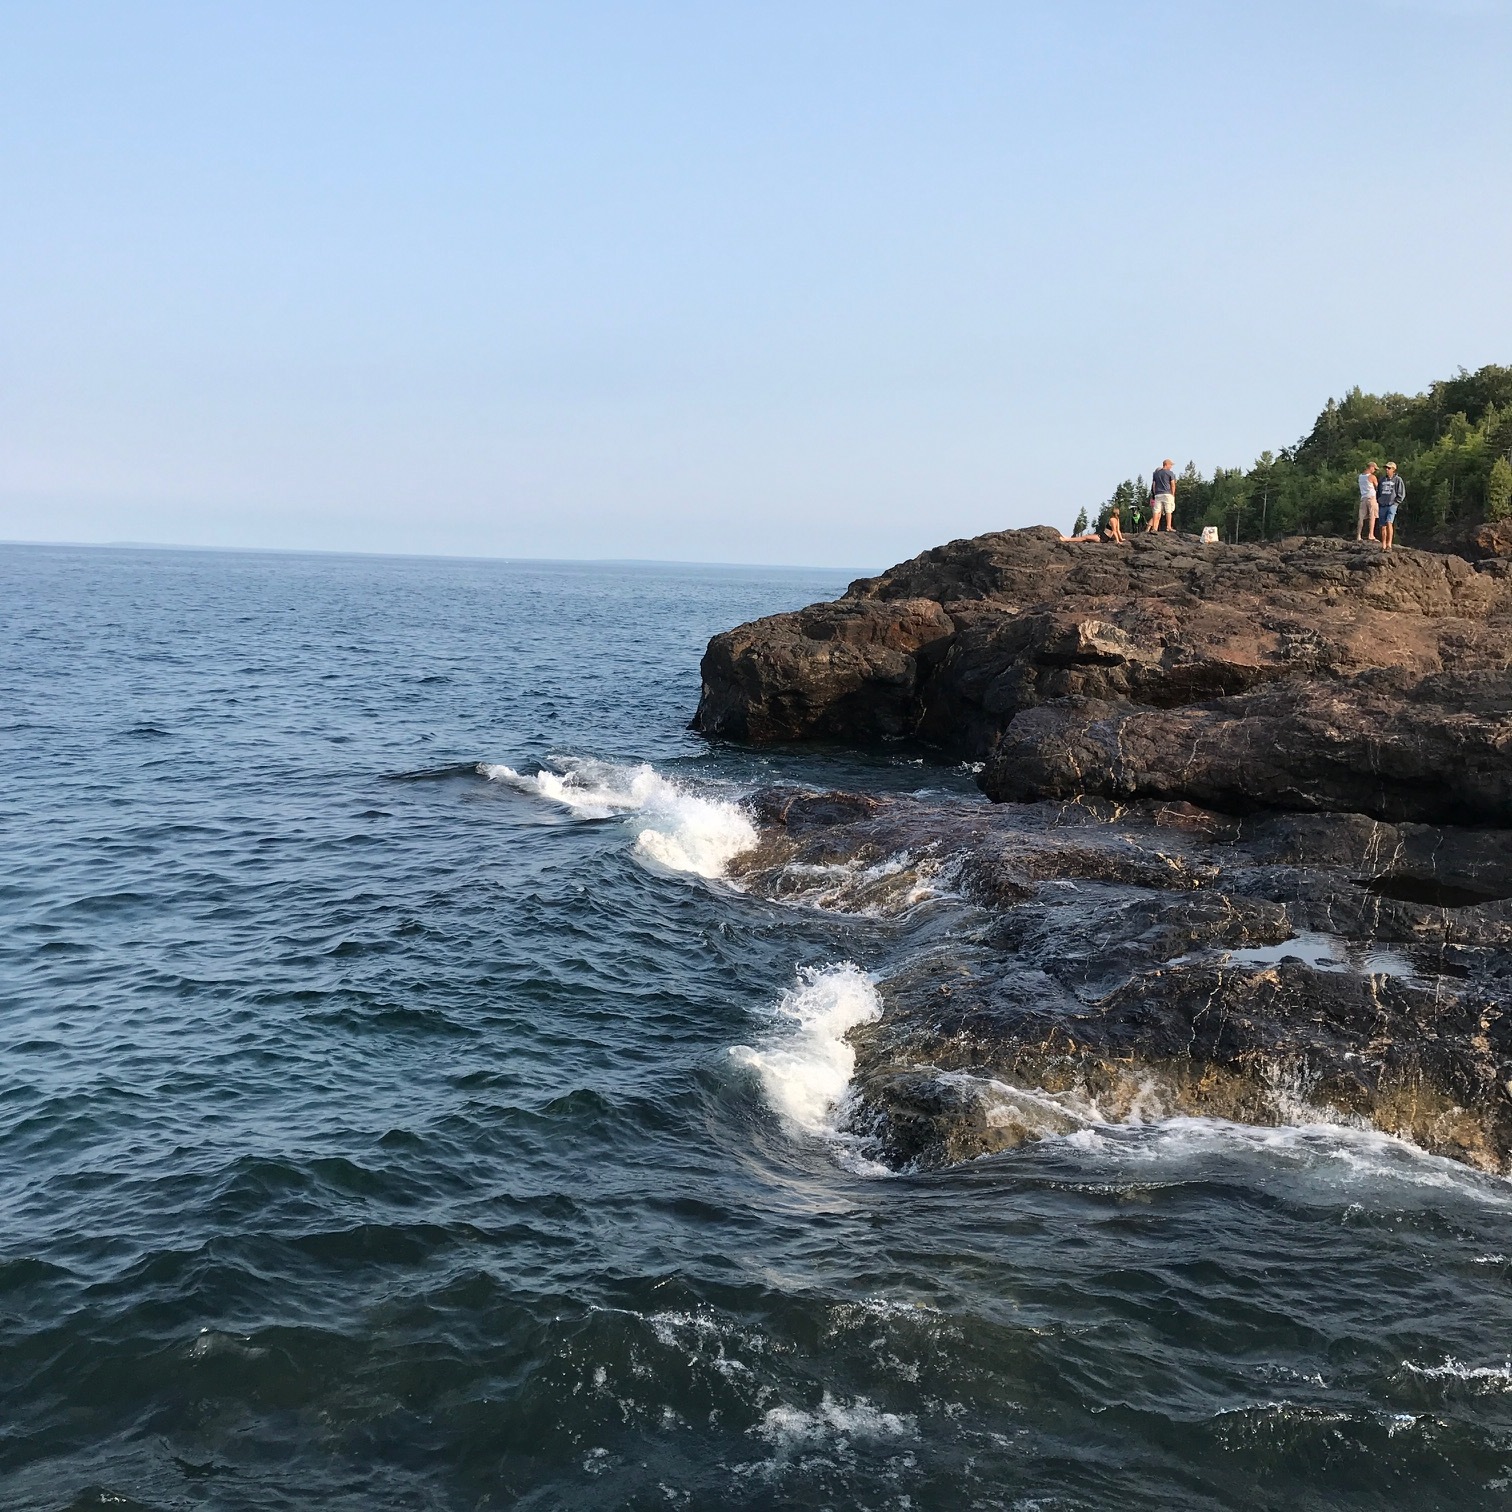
x=1367, y=514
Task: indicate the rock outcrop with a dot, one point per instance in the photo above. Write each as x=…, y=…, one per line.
x=1436, y=749
x=1313, y=674
x=1491, y=538
x=1136, y=962
x=1252, y=851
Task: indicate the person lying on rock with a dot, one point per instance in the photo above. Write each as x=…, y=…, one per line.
x=1110, y=531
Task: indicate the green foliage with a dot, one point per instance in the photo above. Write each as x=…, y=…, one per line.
x=1080, y=528
x=1450, y=444
x=1499, y=490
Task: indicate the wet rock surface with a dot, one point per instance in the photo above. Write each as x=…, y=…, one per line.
x=1130, y=962
x=1308, y=674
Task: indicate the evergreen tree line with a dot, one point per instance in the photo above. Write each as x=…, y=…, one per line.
x=1452, y=444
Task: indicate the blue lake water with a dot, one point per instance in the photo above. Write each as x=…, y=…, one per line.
x=371, y=1136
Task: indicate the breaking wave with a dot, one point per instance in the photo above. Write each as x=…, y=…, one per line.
x=805, y=1062
x=677, y=828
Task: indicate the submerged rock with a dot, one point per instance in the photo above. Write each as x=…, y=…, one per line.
x=1153, y=960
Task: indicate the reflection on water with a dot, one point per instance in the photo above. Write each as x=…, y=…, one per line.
x=1326, y=953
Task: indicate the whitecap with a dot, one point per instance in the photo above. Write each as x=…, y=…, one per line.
x=1478, y=1377
x=791, y=1428
x=805, y=1062
x=675, y=827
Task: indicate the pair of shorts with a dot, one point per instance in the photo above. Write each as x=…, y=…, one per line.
x=1388, y=514
x=1367, y=508
x=1162, y=504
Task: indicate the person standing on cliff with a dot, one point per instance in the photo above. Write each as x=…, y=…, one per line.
x=1389, y=495
x=1367, y=514
x=1162, y=497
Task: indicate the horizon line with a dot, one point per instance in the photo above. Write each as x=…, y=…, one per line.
x=435, y=556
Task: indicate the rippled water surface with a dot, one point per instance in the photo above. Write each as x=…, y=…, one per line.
x=398, y=1109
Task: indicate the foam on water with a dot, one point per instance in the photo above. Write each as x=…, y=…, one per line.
x=790, y=1428
x=805, y=1063
x=1478, y=1377
x=675, y=827
x=1333, y=1152
x=1306, y=1138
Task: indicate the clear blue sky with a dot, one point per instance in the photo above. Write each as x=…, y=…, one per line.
x=817, y=281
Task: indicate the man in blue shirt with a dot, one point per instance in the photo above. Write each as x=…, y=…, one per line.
x=1162, y=497
x=1389, y=495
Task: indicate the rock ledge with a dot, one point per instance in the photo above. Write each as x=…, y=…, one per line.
x=1300, y=674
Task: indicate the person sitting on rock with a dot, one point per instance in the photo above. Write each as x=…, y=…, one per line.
x=1389, y=495
x=1113, y=529
x=1162, y=497
x=1367, y=514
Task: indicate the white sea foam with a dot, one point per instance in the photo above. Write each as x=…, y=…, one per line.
x=707, y=1340
x=1321, y=1145
x=1334, y=1154
x=792, y=1428
x=1485, y=1378
x=675, y=827
x=805, y=1062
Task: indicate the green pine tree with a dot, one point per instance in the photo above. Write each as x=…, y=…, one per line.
x=1080, y=528
x=1499, y=490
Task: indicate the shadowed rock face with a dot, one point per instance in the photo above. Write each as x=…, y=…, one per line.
x=1491, y=539
x=1437, y=749
x=847, y=671
x=1128, y=963
x=1324, y=658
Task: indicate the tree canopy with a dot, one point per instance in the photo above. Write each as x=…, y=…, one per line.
x=1452, y=445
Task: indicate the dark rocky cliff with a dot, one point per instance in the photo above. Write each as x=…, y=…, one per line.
x=1303, y=674
x=1258, y=865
